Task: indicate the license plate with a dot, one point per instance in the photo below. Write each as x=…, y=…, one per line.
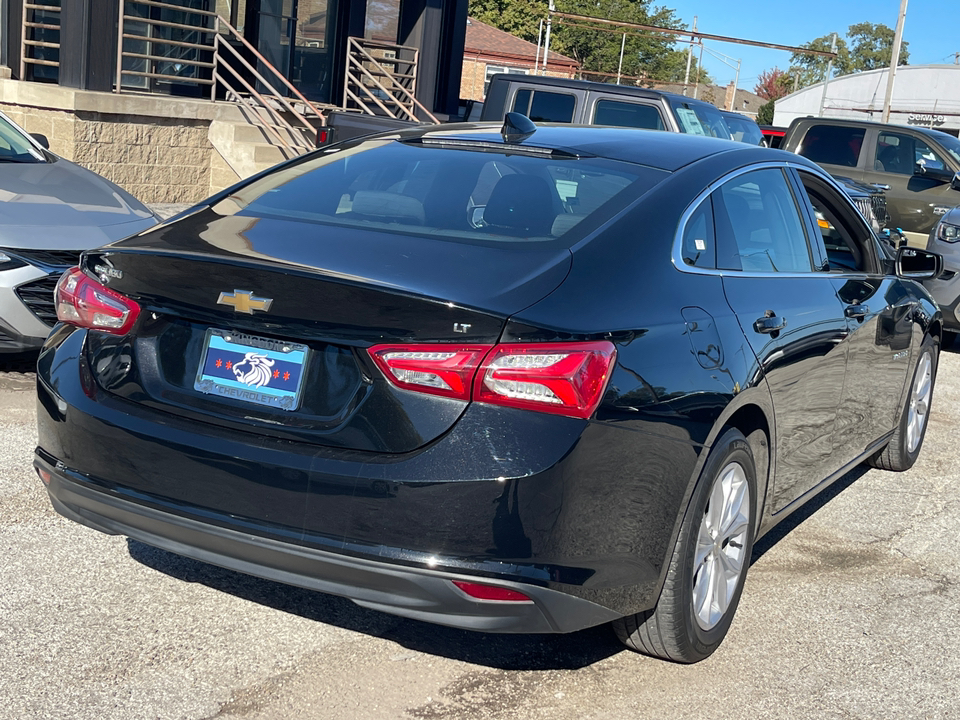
x=252, y=369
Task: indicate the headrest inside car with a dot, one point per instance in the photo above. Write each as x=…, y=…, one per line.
x=388, y=207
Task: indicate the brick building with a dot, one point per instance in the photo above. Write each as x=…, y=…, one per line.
x=488, y=51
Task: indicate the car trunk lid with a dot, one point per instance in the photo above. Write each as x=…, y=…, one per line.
x=325, y=294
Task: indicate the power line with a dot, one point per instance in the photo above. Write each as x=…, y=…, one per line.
x=693, y=35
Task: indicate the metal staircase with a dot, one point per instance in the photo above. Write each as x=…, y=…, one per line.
x=203, y=48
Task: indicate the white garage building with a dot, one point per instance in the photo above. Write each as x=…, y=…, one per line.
x=927, y=95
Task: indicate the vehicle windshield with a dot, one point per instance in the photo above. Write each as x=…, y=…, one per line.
x=697, y=118
x=951, y=145
x=743, y=129
x=439, y=188
x=14, y=147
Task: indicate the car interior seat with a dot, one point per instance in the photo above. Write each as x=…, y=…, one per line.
x=522, y=206
x=387, y=207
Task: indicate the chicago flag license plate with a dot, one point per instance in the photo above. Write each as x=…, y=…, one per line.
x=252, y=369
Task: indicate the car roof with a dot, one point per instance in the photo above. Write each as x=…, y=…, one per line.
x=653, y=148
x=929, y=132
x=608, y=88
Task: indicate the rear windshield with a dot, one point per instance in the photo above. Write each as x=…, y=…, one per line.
x=467, y=195
x=743, y=129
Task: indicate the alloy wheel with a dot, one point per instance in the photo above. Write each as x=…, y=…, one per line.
x=720, y=558
x=919, y=402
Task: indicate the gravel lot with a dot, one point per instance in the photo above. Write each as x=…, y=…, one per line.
x=850, y=611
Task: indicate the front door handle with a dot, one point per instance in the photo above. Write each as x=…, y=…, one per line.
x=857, y=311
x=769, y=323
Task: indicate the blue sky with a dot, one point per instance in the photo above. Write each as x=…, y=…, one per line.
x=930, y=28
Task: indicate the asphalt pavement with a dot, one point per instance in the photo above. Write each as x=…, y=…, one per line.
x=851, y=611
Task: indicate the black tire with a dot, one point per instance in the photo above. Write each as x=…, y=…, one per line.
x=671, y=630
x=898, y=454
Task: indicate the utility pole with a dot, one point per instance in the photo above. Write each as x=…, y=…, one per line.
x=696, y=89
x=894, y=62
x=826, y=79
x=536, y=65
x=686, y=78
x=623, y=44
x=546, y=41
x=736, y=82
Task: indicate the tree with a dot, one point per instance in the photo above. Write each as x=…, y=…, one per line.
x=649, y=55
x=813, y=68
x=773, y=84
x=869, y=48
x=765, y=113
x=517, y=17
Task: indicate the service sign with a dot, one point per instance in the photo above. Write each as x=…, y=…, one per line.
x=925, y=119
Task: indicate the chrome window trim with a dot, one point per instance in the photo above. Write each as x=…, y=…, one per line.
x=677, y=252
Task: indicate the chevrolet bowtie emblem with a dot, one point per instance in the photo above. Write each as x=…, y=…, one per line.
x=244, y=301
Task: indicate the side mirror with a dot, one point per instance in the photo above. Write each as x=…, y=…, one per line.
x=955, y=183
x=921, y=169
x=914, y=264
x=42, y=139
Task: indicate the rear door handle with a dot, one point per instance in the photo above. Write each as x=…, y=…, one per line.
x=769, y=323
x=857, y=311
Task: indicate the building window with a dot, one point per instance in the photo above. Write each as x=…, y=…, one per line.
x=500, y=69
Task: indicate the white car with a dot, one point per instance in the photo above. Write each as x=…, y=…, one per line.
x=50, y=211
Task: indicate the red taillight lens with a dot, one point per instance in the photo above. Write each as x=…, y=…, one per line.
x=490, y=592
x=83, y=301
x=445, y=370
x=562, y=378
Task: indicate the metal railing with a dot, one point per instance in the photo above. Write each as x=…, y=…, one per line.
x=381, y=79
x=183, y=58
x=204, y=54
x=33, y=30
x=294, y=132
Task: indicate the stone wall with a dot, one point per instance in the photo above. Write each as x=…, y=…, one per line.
x=163, y=159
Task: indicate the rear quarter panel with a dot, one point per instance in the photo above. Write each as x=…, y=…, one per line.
x=683, y=369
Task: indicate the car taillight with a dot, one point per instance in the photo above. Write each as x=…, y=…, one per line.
x=561, y=378
x=84, y=302
x=446, y=370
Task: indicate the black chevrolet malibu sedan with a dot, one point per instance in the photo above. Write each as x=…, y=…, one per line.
x=529, y=380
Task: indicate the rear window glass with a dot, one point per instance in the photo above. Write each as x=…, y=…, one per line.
x=743, y=130
x=451, y=193
x=832, y=145
x=627, y=114
x=545, y=106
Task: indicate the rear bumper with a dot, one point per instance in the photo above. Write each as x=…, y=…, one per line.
x=421, y=594
x=580, y=516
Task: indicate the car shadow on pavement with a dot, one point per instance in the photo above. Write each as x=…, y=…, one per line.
x=504, y=652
